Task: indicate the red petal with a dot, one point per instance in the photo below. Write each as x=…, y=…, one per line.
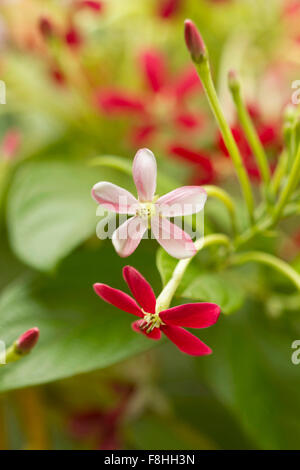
x=140, y=288
x=154, y=334
x=141, y=135
x=185, y=341
x=73, y=38
x=204, y=172
x=188, y=82
x=189, y=121
x=197, y=315
x=118, y=298
x=118, y=102
x=168, y=8
x=91, y=4
x=154, y=68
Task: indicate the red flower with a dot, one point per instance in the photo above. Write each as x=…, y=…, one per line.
x=169, y=322
x=161, y=106
x=103, y=425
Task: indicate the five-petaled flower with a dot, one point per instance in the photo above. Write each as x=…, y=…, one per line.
x=152, y=322
x=150, y=211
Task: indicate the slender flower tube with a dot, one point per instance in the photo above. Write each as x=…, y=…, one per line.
x=149, y=210
x=152, y=322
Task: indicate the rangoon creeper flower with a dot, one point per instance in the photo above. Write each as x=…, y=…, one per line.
x=152, y=322
x=150, y=211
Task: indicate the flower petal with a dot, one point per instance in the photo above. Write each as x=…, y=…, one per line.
x=187, y=82
x=174, y=240
x=154, y=69
x=185, y=341
x=197, y=315
x=118, y=102
x=186, y=200
x=114, y=198
x=154, y=334
x=118, y=298
x=128, y=236
x=140, y=288
x=144, y=171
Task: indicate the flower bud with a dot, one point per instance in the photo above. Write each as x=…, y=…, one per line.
x=27, y=341
x=10, y=144
x=46, y=27
x=233, y=81
x=194, y=41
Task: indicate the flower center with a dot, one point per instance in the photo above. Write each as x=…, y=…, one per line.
x=146, y=210
x=151, y=321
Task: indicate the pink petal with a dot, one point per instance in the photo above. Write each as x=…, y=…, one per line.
x=118, y=298
x=197, y=315
x=144, y=171
x=128, y=236
x=185, y=341
x=175, y=241
x=186, y=200
x=114, y=198
x=154, y=334
x=188, y=82
x=154, y=69
x=140, y=288
x=118, y=102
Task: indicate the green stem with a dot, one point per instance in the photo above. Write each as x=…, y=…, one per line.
x=279, y=173
x=12, y=355
x=225, y=198
x=251, y=134
x=166, y=295
x=206, y=78
x=269, y=260
x=291, y=184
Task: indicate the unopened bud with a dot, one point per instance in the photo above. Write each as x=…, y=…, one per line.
x=27, y=341
x=233, y=81
x=91, y=4
x=46, y=27
x=194, y=41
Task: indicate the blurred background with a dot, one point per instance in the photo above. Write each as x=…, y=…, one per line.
x=82, y=80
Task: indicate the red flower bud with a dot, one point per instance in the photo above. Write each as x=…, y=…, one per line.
x=73, y=38
x=91, y=4
x=194, y=41
x=233, y=81
x=10, y=144
x=27, y=340
x=45, y=27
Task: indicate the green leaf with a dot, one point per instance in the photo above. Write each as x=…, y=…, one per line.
x=162, y=433
x=251, y=372
x=50, y=210
x=215, y=288
x=78, y=331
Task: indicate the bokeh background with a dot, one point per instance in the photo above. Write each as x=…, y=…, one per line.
x=87, y=84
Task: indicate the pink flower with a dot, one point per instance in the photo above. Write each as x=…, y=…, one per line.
x=149, y=210
x=170, y=322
